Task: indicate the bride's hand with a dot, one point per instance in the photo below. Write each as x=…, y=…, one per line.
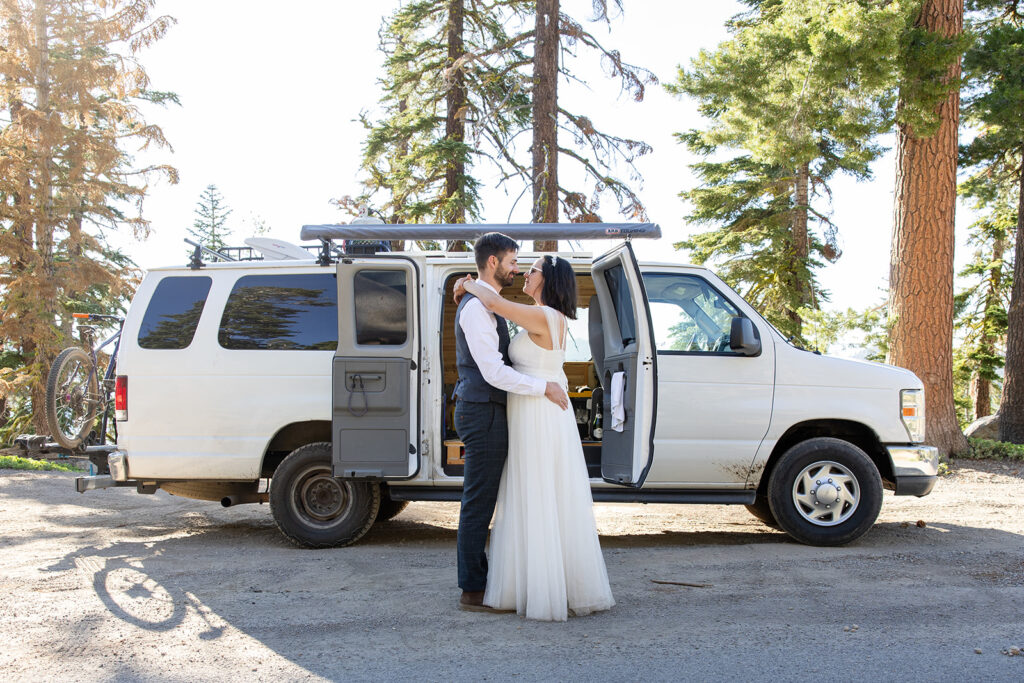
x=460, y=288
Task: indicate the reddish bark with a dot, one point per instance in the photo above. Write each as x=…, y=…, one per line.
x=545, y=119
x=921, y=266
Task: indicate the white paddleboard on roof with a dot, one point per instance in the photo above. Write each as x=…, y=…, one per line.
x=278, y=250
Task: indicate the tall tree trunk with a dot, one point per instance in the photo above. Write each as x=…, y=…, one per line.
x=455, y=119
x=921, y=265
x=1011, y=410
x=46, y=291
x=545, y=119
x=981, y=389
x=981, y=396
x=800, y=241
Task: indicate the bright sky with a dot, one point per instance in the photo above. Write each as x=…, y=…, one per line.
x=270, y=104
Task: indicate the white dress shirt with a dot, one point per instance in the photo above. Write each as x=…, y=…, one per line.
x=481, y=330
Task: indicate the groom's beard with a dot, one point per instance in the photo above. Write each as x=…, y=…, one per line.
x=504, y=278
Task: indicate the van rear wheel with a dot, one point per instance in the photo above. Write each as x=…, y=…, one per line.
x=389, y=508
x=315, y=509
x=825, y=492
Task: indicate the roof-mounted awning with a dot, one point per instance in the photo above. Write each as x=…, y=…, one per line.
x=471, y=231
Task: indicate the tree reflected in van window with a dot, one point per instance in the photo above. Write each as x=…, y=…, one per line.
x=381, y=307
x=281, y=313
x=689, y=315
x=173, y=313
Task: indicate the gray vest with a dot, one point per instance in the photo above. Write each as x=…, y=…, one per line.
x=471, y=385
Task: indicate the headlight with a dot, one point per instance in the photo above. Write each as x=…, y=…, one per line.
x=912, y=412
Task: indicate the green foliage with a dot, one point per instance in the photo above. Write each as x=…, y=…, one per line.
x=15, y=413
x=824, y=329
x=801, y=90
x=13, y=462
x=803, y=80
x=418, y=162
x=980, y=306
x=211, y=216
x=993, y=105
x=421, y=158
x=754, y=249
x=987, y=449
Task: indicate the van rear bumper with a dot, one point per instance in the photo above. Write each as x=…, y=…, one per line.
x=915, y=469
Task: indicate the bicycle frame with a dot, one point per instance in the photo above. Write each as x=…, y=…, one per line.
x=108, y=374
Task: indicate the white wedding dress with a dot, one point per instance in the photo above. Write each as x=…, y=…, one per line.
x=545, y=558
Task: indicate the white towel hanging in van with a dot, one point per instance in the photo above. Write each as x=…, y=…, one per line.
x=618, y=389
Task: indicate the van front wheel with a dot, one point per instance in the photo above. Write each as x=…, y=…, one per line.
x=315, y=509
x=825, y=492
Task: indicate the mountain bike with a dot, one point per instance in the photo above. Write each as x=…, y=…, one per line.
x=77, y=394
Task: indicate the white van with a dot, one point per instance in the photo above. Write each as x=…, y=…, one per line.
x=332, y=378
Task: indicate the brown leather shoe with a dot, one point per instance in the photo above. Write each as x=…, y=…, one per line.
x=473, y=601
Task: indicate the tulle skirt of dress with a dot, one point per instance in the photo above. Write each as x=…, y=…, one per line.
x=545, y=557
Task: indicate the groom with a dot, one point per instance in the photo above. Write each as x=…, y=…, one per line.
x=485, y=375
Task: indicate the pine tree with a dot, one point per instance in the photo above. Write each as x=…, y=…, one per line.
x=595, y=153
x=452, y=98
x=211, y=216
x=70, y=88
x=980, y=307
x=921, y=263
x=994, y=105
x=798, y=93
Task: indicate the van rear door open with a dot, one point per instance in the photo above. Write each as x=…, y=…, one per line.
x=375, y=374
x=623, y=349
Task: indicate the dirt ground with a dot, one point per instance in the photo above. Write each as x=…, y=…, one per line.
x=112, y=585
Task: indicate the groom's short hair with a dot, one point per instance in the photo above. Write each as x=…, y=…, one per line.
x=492, y=244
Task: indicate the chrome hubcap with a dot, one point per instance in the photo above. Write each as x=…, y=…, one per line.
x=826, y=493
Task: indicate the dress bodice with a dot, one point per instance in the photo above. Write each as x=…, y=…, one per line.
x=530, y=359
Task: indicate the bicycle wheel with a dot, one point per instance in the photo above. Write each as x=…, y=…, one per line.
x=72, y=397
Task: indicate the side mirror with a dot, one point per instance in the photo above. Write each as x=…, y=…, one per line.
x=743, y=337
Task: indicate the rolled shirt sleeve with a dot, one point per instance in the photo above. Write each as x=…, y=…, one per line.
x=480, y=327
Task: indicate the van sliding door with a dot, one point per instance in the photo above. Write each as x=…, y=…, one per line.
x=375, y=375
x=624, y=354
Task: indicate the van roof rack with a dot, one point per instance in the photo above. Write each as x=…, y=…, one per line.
x=471, y=231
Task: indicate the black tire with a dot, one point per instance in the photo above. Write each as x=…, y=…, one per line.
x=389, y=508
x=315, y=509
x=72, y=397
x=762, y=511
x=825, y=492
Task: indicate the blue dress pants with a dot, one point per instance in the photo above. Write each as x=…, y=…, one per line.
x=483, y=428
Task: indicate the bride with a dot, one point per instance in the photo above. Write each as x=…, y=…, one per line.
x=546, y=561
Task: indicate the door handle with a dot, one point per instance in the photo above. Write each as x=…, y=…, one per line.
x=360, y=378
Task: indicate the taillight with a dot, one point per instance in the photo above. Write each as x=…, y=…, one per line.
x=121, y=398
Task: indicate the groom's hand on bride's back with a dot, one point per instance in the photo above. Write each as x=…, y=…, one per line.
x=554, y=393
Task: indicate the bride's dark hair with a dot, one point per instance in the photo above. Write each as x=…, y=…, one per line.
x=559, y=291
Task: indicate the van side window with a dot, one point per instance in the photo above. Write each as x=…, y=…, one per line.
x=689, y=315
x=281, y=313
x=615, y=277
x=381, y=307
x=173, y=313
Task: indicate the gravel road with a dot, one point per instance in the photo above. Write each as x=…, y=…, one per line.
x=112, y=585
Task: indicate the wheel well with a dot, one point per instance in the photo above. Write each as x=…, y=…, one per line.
x=290, y=437
x=856, y=433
